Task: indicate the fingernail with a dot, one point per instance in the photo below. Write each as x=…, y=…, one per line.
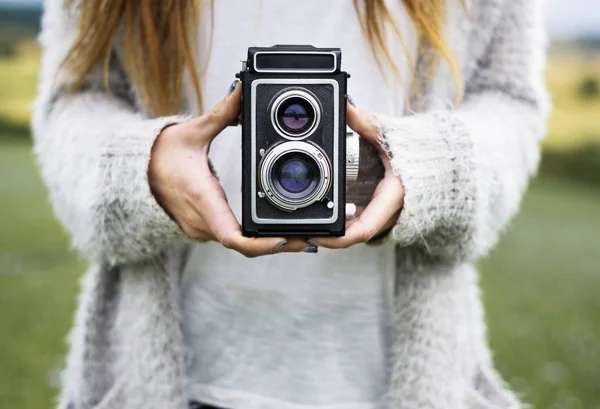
x=312, y=242
x=280, y=245
x=232, y=87
x=310, y=249
x=351, y=101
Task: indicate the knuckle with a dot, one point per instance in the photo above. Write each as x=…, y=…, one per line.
x=368, y=234
x=335, y=245
x=216, y=113
x=190, y=231
x=249, y=252
x=194, y=192
x=196, y=224
x=191, y=189
x=344, y=245
x=228, y=242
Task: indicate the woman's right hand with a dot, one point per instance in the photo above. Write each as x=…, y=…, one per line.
x=183, y=184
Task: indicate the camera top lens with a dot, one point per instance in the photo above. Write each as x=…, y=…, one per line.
x=295, y=114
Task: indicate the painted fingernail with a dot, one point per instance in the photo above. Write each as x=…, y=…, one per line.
x=280, y=245
x=351, y=101
x=232, y=87
x=312, y=242
x=310, y=249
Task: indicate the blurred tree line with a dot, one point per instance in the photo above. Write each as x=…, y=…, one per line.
x=16, y=24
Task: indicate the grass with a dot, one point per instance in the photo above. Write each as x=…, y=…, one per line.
x=38, y=282
x=541, y=292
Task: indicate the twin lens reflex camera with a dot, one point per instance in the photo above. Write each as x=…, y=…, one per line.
x=296, y=153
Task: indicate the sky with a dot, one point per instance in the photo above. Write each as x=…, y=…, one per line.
x=564, y=18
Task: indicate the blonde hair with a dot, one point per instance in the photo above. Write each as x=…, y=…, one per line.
x=159, y=42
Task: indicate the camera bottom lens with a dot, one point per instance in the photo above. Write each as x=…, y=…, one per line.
x=295, y=175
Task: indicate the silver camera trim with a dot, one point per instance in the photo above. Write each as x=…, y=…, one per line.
x=309, y=149
x=295, y=93
x=291, y=70
x=255, y=153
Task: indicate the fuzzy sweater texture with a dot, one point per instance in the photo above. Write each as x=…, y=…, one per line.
x=464, y=172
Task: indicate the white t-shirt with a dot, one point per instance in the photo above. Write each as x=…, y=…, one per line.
x=290, y=330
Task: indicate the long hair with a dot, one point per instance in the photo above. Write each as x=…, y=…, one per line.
x=159, y=42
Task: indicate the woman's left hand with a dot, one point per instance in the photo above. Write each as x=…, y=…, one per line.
x=384, y=209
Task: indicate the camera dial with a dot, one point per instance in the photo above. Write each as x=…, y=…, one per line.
x=294, y=175
x=295, y=114
x=352, y=156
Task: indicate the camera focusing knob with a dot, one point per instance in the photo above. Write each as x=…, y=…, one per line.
x=352, y=156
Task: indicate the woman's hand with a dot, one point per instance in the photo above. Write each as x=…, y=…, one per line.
x=384, y=209
x=183, y=184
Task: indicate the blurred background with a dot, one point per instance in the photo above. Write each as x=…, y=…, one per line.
x=540, y=285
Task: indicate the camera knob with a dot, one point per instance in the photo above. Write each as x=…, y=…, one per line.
x=350, y=211
x=352, y=156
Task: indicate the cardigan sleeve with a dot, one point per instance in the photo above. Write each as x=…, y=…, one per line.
x=94, y=150
x=465, y=171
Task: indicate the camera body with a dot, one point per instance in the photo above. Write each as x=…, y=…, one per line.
x=293, y=141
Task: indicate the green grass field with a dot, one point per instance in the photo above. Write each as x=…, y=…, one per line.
x=38, y=282
x=540, y=284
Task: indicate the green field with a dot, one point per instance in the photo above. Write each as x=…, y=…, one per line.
x=38, y=282
x=540, y=284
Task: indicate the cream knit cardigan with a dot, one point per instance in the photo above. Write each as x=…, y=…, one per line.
x=464, y=171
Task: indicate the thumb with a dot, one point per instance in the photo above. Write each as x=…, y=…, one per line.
x=223, y=113
x=363, y=124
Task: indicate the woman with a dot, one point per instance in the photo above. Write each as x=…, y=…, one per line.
x=171, y=312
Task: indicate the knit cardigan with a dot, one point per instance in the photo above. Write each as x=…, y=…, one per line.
x=464, y=171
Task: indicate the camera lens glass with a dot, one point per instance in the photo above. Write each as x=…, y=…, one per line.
x=295, y=115
x=295, y=175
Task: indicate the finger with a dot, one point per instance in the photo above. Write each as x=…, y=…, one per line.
x=220, y=220
x=390, y=223
x=362, y=123
x=387, y=201
x=357, y=213
x=349, y=239
x=375, y=218
x=222, y=114
x=293, y=246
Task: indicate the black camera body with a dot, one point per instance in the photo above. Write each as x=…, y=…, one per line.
x=293, y=141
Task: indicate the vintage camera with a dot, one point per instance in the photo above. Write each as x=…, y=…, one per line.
x=294, y=142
